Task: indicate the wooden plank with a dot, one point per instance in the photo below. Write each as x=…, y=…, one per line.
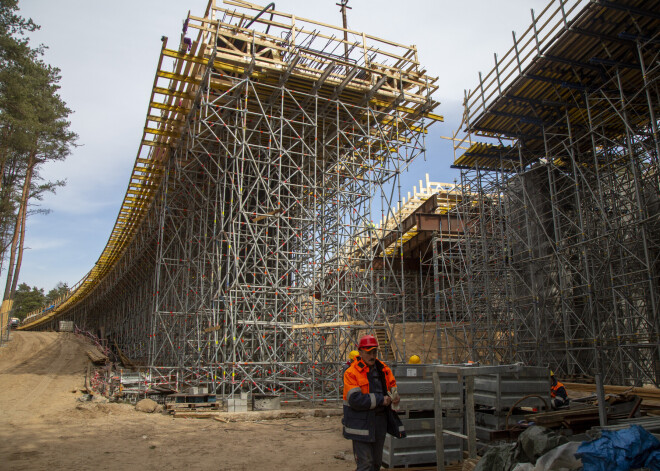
x=96, y=356
x=644, y=392
x=328, y=324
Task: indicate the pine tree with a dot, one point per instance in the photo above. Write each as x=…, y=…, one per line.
x=34, y=129
x=57, y=292
x=27, y=299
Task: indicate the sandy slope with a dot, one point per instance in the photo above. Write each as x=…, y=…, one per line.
x=42, y=426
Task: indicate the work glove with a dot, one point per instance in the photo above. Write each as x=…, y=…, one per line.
x=394, y=394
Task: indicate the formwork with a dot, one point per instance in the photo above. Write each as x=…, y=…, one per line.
x=246, y=255
x=561, y=186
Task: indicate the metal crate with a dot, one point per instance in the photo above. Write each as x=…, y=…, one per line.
x=486, y=423
x=419, y=445
x=415, y=385
x=502, y=391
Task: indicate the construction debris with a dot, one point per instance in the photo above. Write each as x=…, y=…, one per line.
x=533, y=445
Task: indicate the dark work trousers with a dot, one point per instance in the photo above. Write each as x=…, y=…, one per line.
x=369, y=456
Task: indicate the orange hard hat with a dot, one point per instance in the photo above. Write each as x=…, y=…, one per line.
x=368, y=342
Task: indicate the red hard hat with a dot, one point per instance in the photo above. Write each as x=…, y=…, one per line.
x=368, y=342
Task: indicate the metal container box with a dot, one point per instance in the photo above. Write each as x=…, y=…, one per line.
x=419, y=445
x=415, y=385
x=65, y=326
x=502, y=391
x=486, y=423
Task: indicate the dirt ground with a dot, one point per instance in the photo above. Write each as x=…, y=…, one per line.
x=43, y=426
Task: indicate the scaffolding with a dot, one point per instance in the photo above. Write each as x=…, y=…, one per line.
x=238, y=261
x=561, y=186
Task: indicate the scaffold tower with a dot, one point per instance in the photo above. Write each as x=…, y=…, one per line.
x=561, y=196
x=238, y=260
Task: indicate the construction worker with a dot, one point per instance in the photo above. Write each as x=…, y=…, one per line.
x=351, y=356
x=557, y=392
x=369, y=393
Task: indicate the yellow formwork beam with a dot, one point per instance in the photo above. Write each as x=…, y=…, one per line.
x=184, y=57
x=176, y=77
x=155, y=143
x=173, y=93
x=163, y=106
x=159, y=132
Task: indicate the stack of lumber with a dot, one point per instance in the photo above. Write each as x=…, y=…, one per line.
x=566, y=417
x=583, y=416
x=650, y=395
x=96, y=355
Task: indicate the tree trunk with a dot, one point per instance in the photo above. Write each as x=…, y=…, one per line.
x=7, y=221
x=14, y=268
x=19, y=259
x=3, y=153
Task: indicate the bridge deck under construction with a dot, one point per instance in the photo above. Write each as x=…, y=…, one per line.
x=263, y=230
x=270, y=147
x=561, y=183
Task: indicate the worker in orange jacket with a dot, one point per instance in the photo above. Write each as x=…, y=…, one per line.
x=369, y=392
x=557, y=392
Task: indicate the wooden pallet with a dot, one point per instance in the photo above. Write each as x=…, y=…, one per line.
x=96, y=356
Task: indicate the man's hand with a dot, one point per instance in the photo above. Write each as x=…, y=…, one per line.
x=394, y=396
x=387, y=400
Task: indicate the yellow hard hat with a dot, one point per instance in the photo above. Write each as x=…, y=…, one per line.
x=552, y=373
x=353, y=354
x=414, y=360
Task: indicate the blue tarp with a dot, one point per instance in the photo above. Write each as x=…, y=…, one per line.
x=621, y=450
x=653, y=461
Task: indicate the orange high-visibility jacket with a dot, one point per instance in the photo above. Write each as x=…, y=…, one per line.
x=359, y=403
x=558, y=389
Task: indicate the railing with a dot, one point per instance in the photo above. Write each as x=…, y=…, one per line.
x=38, y=314
x=538, y=38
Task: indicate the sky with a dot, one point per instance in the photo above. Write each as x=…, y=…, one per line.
x=108, y=52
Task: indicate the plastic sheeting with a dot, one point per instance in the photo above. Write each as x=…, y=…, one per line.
x=532, y=446
x=561, y=458
x=497, y=458
x=621, y=450
x=535, y=442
